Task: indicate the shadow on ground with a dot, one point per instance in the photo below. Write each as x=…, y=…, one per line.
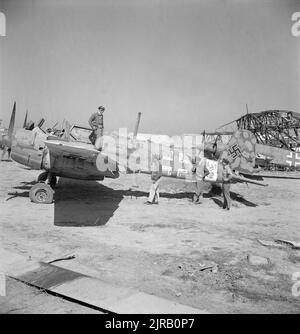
x=217, y=191
x=89, y=203
x=84, y=203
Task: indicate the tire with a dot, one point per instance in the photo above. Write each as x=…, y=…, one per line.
x=41, y=193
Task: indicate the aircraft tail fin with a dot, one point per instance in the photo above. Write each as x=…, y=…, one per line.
x=25, y=120
x=6, y=140
x=41, y=122
x=240, y=151
x=12, y=122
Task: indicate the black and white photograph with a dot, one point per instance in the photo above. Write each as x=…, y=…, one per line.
x=149, y=159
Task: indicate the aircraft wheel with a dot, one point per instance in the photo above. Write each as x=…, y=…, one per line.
x=43, y=177
x=41, y=193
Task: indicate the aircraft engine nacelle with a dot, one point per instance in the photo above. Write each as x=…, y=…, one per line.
x=28, y=148
x=28, y=157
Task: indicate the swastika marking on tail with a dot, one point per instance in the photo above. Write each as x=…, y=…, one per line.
x=234, y=151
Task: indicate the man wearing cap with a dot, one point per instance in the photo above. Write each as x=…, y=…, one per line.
x=227, y=176
x=96, y=123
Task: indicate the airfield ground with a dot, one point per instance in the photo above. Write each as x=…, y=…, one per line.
x=159, y=249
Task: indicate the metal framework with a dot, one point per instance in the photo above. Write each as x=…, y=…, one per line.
x=279, y=128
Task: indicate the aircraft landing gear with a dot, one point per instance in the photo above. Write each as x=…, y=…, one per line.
x=42, y=192
x=48, y=178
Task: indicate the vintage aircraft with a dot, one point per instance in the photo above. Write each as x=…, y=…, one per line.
x=73, y=158
x=277, y=133
x=266, y=155
x=7, y=135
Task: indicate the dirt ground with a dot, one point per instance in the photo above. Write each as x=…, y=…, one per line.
x=161, y=249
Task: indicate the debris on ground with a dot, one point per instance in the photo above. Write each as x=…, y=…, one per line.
x=193, y=270
x=70, y=257
x=268, y=243
x=279, y=243
x=292, y=244
x=212, y=267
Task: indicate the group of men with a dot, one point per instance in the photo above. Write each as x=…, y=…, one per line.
x=199, y=170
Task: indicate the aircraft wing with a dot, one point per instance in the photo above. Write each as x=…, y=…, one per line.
x=71, y=149
x=242, y=179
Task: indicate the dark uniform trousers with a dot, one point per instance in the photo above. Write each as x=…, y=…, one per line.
x=226, y=194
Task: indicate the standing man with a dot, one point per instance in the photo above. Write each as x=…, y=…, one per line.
x=156, y=173
x=227, y=176
x=96, y=123
x=200, y=172
x=6, y=150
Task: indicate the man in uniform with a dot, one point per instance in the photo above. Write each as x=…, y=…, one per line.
x=227, y=176
x=200, y=172
x=96, y=123
x=6, y=150
x=156, y=173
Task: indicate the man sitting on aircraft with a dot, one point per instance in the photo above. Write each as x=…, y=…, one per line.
x=227, y=175
x=96, y=123
x=200, y=172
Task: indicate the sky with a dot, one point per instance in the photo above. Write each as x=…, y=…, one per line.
x=187, y=65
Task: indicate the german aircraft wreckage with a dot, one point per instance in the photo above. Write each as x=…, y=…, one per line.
x=69, y=154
